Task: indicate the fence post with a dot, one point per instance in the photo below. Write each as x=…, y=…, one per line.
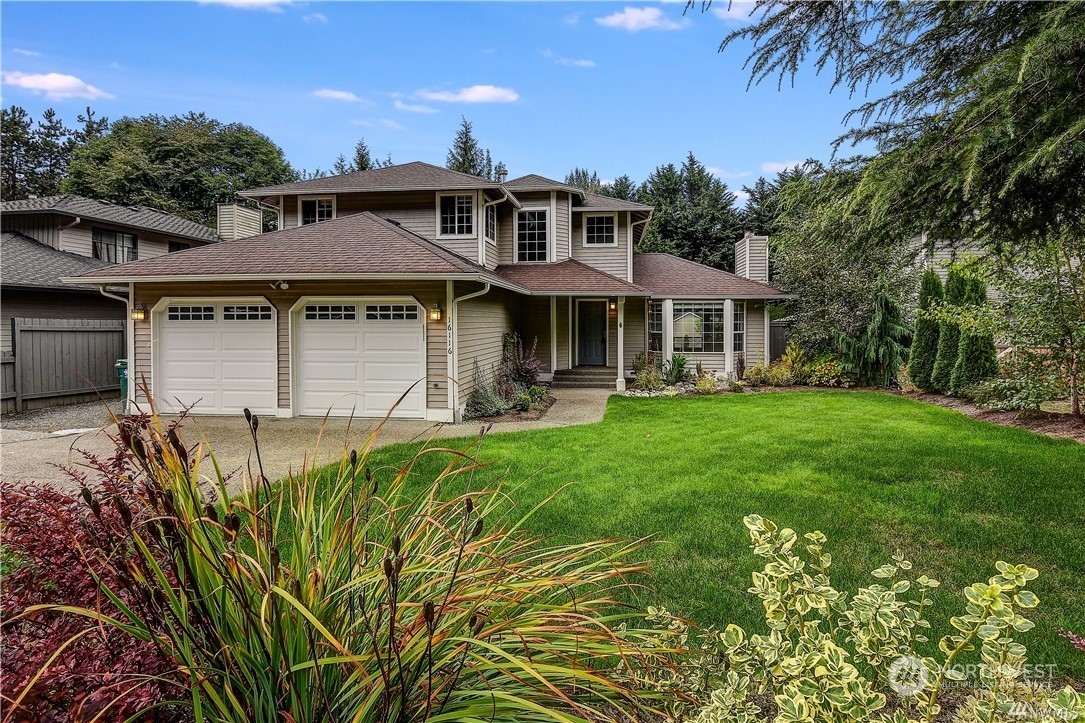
x=16, y=330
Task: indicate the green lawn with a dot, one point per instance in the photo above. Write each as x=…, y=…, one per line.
x=876, y=473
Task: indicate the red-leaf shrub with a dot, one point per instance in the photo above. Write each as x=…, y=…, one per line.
x=44, y=538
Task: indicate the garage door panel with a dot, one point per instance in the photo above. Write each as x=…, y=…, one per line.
x=221, y=365
x=362, y=366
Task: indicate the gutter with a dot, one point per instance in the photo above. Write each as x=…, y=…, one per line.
x=263, y=277
x=453, y=387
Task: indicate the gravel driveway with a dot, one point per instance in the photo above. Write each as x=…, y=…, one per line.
x=56, y=419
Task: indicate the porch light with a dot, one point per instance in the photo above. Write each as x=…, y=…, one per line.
x=435, y=312
x=139, y=312
x=613, y=304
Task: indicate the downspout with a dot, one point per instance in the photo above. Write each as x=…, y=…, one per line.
x=67, y=226
x=453, y=387
x=130, y=337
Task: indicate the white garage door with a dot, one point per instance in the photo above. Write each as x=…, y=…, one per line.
x=219, y=357
x=358, y=356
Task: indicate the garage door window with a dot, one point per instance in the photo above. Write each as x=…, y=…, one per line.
x=190, y=313
x=246, y=313
x=391, y=312
x=331, y=312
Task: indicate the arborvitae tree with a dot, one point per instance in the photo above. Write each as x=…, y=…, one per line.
x=949, y=333
x=924, y=349
x=977, y=358
x=363, y=161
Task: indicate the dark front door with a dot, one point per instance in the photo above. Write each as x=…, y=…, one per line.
x=591, y=332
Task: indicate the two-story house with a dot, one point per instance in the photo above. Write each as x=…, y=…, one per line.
x=66, y=356
x=411, y=275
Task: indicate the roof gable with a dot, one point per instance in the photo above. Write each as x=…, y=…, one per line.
x=413, y=176
x=143, y=218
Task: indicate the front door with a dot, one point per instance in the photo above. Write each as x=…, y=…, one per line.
x=591, y=332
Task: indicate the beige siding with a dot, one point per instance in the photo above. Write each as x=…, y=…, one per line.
x=235, y=221
x=562, y=227
x=427, y=293
x=614, y=260
x=506, y=234
x=493, y=255
x=53, y=305
x=43, y=228
x=564, y=332
x=80, y=240
x=533, y=324
x=634, y=329
x=415, y=211
x=482, y=323
x=755, y=332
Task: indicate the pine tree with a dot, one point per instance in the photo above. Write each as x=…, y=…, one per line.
x=949, y=334
x=924, y=349
x=18, y=153
x=622, y=187
x=467, y=156
x=341, y=166
x=363, y=161
x=584, y=179
x=977, y=359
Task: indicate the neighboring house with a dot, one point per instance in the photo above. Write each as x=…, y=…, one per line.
x=413, y=275
x=46, y=239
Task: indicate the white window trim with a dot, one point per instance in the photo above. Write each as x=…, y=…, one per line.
x=321, y=197
x=477, y=233
x=584, y=231
x=486, y=208
x=549, y=234
x=745, y=327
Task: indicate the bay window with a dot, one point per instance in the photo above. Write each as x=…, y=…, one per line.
x=699, y=328
x=740, y=327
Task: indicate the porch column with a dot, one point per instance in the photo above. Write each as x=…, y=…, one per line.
x=668, y=329
x=729, y=336
x=768, y=332
x=621, y=344
x=553, y=334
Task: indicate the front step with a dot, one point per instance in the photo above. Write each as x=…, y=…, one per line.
x=586, y=378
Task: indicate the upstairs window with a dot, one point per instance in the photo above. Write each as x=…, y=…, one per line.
x=531, y=241
x=457, y=215
x=176, y=246
x=315, y=210
x=600, y=231
x=491, y=224
x=114, y=246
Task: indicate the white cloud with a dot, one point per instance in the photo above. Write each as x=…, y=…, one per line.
x=473, y=94
x=55, y=86
x=414, y=107
x=776, y=167
x=736, y=12
x=271, y=6
x=724, y=174
x=571, y=19
x=315, y=18
x=377, y=123
x=571, y=62
x=332, y=94
x=28, y=53
x=636, y=19
x=741, y=196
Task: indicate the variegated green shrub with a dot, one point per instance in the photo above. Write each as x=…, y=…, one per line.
x=829, y=656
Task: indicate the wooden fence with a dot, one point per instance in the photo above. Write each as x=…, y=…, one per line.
x=779, y=331
x=61, y=358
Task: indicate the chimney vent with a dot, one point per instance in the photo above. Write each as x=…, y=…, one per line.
x=502, y=173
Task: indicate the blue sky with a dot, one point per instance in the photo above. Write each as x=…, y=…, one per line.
x=616, y=87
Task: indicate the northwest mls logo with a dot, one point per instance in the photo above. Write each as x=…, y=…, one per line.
x=907, y=675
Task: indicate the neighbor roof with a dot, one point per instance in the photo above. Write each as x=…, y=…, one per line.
x=360, y=244
x=669, y=276
x=412, y=176
x=29, y=264
x=568, y=277
x=138, y=217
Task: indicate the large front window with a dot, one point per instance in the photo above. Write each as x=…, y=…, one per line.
x=699, y=328
x=315, y=210
x=531, y=236
x=114, y=246
x=458, y=215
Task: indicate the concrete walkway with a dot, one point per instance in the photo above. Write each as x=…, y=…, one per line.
x=285, y=444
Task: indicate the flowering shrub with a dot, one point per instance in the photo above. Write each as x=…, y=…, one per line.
x=46, y=535
x=828, y=372
x=708, y=383
x=828, y=656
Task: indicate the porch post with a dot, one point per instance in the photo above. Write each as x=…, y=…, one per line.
x=621, y=344
x=668, y=329
x=729, y=336
x=553, y=334
x=768, y=332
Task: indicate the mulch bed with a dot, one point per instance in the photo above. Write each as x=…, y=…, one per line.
x=1051, y=424
x=538, y=409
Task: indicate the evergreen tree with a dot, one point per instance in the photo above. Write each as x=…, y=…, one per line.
x=18, y=154
x=341, y=166
x=949, y=333
x=91, y=128
x=584, y=179
x=363, y=161
x=622, y=187
x=877, y=354
x=977, y=358
x=466, y=155
x=54, y=154
x=924, y=349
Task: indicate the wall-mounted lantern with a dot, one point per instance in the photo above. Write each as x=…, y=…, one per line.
x=613, y=304
x=435, y=312
x=139, y=312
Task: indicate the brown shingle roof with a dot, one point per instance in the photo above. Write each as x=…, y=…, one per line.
x=414, y=176
x=358, y=244
x=535, y=182
x=26, y=263
x=669, y=276
x=568, y=277
x=138, y=217
x=606, y=203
